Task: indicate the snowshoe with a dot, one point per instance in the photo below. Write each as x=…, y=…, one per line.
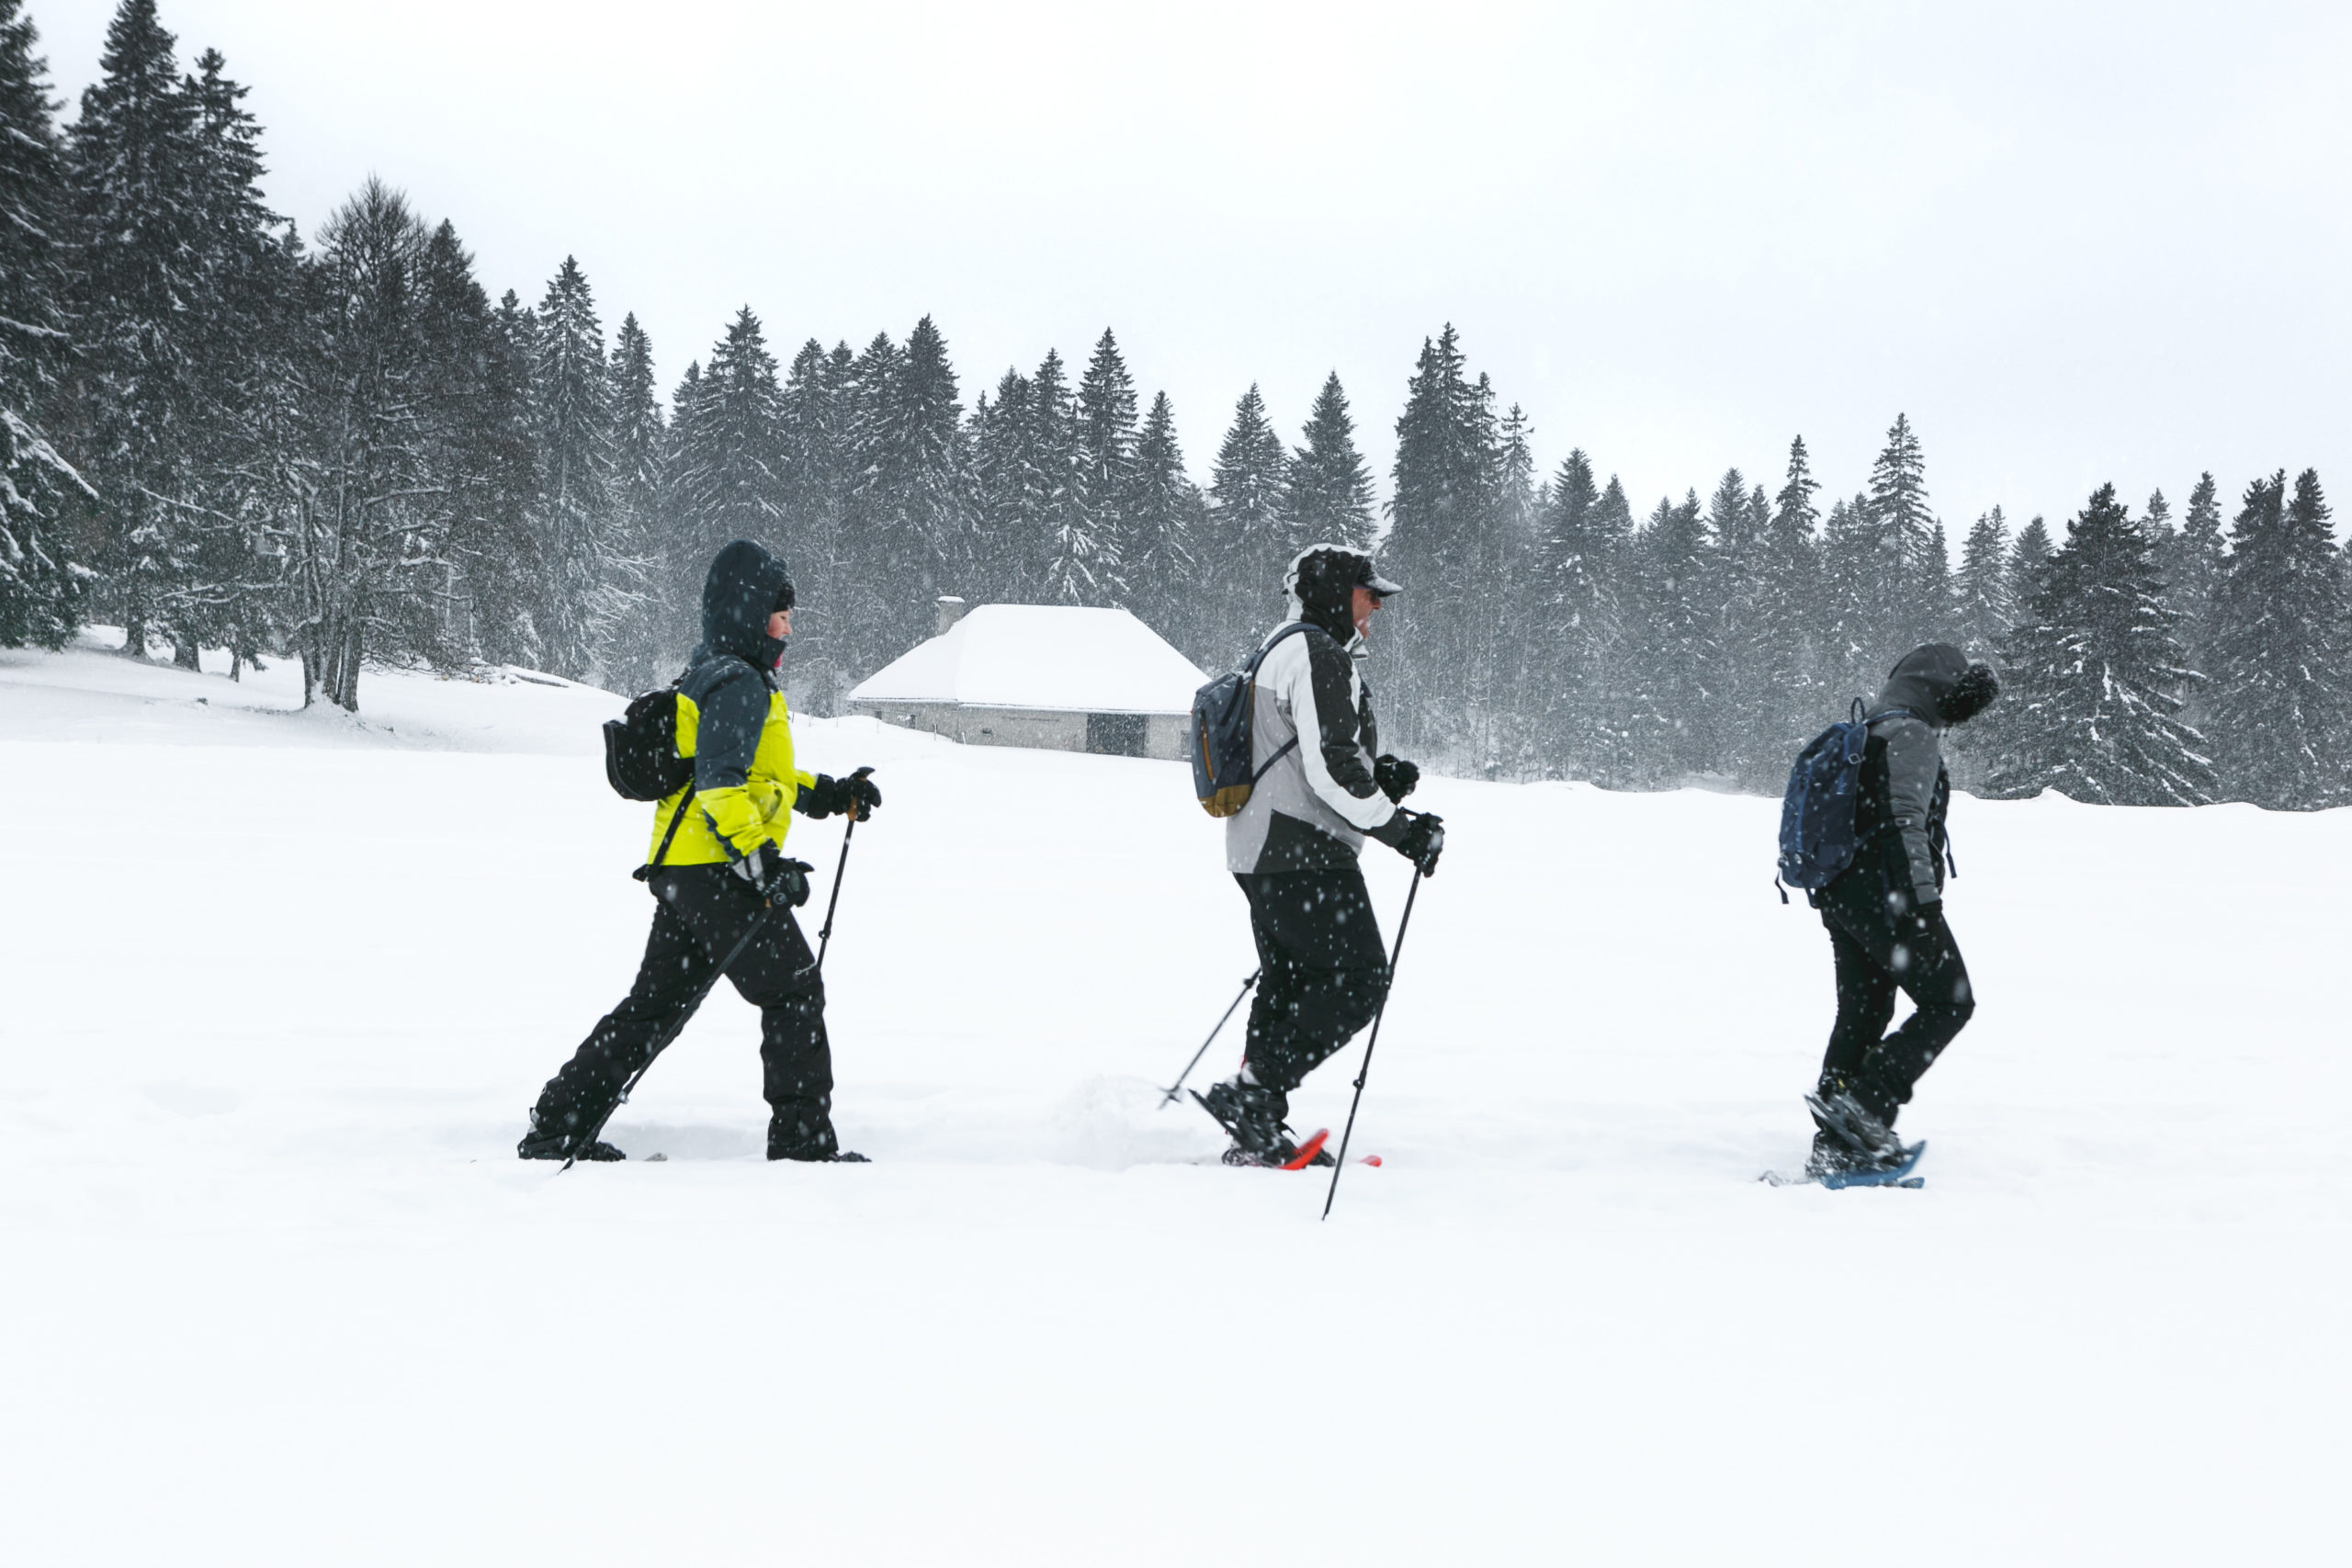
x=1286, y=1156
x=821, y=1155
x=1895, y=1172
x=558, y=1146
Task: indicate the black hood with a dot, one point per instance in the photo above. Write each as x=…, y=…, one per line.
x=746, y=585
x=1321, y=580
x=1925, y=680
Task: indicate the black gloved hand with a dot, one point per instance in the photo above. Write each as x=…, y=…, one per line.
x=1395, y=776
x=862, y=792
x=856, y=795
x=1418, y=835
x=776, y=879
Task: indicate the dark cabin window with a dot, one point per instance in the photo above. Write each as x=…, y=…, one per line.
x=1115, y=734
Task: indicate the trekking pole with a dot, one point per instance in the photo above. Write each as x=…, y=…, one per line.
x=1169, y=1098
x=684, y=1014
x=825, y=935
x=1365, y=1071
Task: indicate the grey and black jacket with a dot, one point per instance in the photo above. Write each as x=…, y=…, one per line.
x=1906, y=790
x=1312, y=808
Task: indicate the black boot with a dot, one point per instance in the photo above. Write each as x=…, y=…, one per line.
x=1252, y=1118
x=554, y=1138
x=1837, y=1112
x=805, y=1133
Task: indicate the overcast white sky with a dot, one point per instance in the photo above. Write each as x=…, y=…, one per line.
x=2074, y=242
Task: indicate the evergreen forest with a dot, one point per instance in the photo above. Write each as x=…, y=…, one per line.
x=339, y=448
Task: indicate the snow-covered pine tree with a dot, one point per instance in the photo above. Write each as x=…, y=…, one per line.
x=1327, y=491
x=727, y=479
x=227, y=592
x=42, y=586
x=1855, y=624
x=816, y=413
x=1937, y=593
x=2029, y=563
x=1573, y=635
x=1244, y=552
x=1441, y=506
x=864, y=614
x=640, y=435
x=1985, y=605
x=590, y=579
x=1504, y=681
x=1081, y=567
x=2191, y=564
x=1789, y=614
x=1166, y=510
x=1748, y=736
x=1008, y=559
x=1910, y=583
x=2280, y=707
x=914, y=506
x=135, y=169
x=2094, y=678
x=1677, y=653
x=483, y=358
x=1104, y=475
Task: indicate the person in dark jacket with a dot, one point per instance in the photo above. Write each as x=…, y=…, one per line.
x=716, y=869
x=1323, y=786
x=1885, y=916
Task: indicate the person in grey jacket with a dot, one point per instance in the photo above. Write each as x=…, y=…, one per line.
x=1323, y=786
x=1885, y=915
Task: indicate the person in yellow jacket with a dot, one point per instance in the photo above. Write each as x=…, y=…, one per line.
x=716, y=865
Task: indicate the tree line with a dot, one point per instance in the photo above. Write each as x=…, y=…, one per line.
x=221, y=434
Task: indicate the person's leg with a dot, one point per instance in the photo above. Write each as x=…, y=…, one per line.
x=776, y=973
x=1322, y=951
x=1926, y=964
x=779, y=976
x=670, y=979
x=1865, y=1005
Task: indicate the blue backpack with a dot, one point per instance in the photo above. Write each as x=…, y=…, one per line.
x=1222, y=775
x=1817, y=840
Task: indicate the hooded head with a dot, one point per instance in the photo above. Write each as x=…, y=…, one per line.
x=1937, y=682
x=746, y=585
x=1320, y=582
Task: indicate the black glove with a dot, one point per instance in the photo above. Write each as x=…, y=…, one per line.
x=1395, y=776
x=1418, y=835
x=856, y=795
x=862, y=792
x=776, y=879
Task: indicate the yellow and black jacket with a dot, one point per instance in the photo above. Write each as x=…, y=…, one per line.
x=733, y=722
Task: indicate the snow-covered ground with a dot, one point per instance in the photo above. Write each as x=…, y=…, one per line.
x=273, y=1288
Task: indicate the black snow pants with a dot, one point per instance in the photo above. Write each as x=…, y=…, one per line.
x=1322, y=970
x=702, y=912
x=1880, y=949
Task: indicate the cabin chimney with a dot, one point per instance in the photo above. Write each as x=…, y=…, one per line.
x=951, y=610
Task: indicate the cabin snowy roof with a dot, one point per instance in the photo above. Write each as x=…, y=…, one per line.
x=1051, y=657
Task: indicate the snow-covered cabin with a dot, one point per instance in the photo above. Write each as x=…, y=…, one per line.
x=1045, y=675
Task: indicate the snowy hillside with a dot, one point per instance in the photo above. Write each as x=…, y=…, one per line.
x=281, y=984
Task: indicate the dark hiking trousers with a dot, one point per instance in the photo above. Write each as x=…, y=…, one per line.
x=1879, y=951
x=1322, y=969
x=702, y=912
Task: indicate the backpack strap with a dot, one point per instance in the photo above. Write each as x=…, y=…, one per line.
x=1292, y=744
x=650, y=867
x=1280, y=631
x=669, y=836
